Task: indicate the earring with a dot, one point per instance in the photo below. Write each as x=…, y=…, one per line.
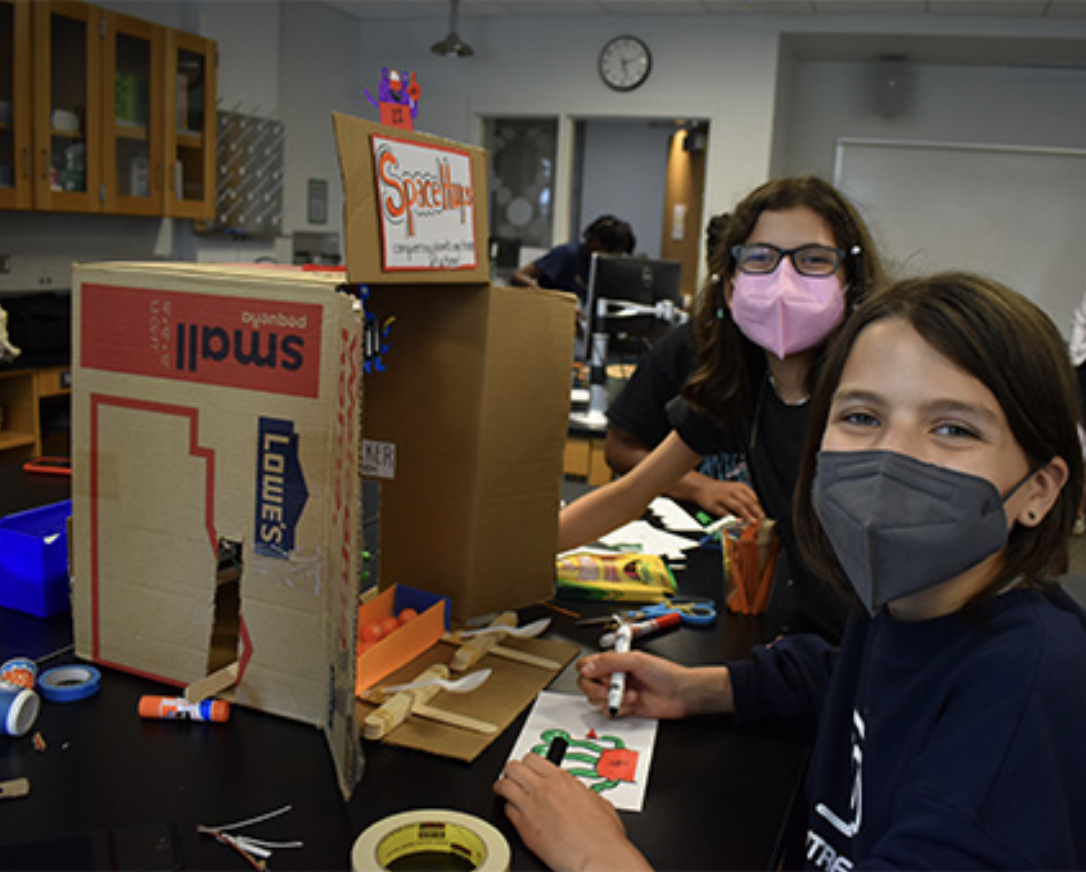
x=1032, y=515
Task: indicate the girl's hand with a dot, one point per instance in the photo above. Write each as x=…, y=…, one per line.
x=564, y=823
x=656, y=688
x=730, y=498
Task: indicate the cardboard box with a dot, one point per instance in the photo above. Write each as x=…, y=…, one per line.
x=466, y=426
x=465, y=429
x=34, y=560
x=216, y=496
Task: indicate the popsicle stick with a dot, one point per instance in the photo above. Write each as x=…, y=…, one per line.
x=212, y=684
x=453, y=719
x=524, y=657
x=382, y=721
x=14, y=788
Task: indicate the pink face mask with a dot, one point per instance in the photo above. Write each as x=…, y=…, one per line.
x=785, y=312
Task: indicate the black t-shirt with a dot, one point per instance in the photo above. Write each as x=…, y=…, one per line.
x=640, y=408
x=773, y=444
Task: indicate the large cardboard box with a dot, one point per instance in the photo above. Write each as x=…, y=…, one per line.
x=466, y=424
x=465, y=429
x=216, y=496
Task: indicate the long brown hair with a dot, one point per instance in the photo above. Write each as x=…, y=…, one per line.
x=729, y=366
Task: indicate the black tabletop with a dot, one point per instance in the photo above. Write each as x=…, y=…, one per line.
x=110, y=790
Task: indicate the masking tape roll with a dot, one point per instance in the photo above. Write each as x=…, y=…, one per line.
x=69, y=683
x=431, y=832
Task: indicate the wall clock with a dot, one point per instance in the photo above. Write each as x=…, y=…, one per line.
x=625, y=63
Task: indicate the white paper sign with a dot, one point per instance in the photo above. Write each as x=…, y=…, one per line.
x=426, y=196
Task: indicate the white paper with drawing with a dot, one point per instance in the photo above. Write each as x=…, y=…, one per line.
x=612, y=756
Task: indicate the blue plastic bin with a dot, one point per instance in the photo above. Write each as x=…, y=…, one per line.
x=34, y=560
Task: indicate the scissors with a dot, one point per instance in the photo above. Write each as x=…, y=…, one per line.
x=692, y=610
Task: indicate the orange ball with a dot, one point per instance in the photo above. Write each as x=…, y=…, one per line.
x=372, y=632
x=389, y=625
x=405, y=615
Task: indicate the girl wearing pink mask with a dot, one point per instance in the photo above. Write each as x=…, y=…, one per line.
x=795, y=259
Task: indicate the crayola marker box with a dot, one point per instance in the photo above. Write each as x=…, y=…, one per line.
x=216, y=491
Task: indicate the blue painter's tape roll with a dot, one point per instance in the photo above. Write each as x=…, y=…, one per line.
x=69, y=683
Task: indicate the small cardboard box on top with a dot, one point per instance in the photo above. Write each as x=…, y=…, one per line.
x=465, y=426
x=216, y=495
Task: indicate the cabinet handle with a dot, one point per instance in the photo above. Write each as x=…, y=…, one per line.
x=178, y=181
x=45, y=163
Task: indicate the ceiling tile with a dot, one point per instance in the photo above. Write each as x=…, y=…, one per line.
x=759, y=7
x=867, y=7
x=988, y=7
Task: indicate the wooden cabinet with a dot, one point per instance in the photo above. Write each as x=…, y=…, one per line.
x=191, y=125
x=67, y=99
x=24, y=395
x=133, y=125
x=16, y=191
x=584, y=458
x=19, y=433
x=104, y=112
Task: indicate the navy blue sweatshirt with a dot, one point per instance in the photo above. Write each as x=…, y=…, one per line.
x=956, y=743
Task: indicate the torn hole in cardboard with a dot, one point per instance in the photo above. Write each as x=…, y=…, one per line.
x=226, y=630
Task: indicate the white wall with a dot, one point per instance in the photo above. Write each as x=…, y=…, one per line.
x=624, y=167
x=1016, y=240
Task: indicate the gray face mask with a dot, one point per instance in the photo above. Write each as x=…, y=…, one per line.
x=899, y=525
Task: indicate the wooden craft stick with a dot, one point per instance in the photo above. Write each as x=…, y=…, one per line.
x=212, y=684
x=453, y=719
x=382, y=721
x=15, y=788
x=476, y=648
x=524, y=657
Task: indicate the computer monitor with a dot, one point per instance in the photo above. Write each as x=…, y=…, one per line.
x=641, y=281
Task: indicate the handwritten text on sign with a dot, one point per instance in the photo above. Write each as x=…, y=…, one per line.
x=426, y=195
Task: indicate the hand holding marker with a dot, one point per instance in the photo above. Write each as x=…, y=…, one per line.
x=617, y=690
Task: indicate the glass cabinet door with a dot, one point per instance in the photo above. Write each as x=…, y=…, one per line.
x=16, y=191
x=67, y=100
x=191, y=125
x=132, y=117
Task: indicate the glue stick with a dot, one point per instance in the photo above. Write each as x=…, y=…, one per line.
x=179, y=708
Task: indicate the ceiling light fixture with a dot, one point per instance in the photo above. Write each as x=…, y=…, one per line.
x=452, y=45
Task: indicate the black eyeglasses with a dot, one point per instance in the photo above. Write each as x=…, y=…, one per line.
x=809, y=260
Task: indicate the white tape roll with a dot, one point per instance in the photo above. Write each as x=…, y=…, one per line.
x=466, y=841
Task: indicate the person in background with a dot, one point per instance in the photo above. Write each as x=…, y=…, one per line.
x=794, y=260
x=565, y=267
x=938, y=487
x=637, y=418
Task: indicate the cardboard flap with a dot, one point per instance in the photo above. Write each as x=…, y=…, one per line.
x=418, y=214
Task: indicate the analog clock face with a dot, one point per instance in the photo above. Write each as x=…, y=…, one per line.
x=625, y=63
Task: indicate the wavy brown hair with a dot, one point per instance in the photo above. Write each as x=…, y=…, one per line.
x=1008, y=344
x=729, y=366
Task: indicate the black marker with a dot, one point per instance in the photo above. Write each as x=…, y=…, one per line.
x=557, y=751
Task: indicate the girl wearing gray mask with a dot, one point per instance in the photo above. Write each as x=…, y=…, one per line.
x=938, y=489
